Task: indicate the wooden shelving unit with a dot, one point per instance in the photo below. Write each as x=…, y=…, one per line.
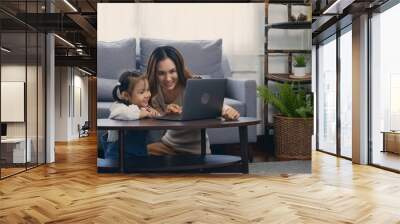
x=289, y=25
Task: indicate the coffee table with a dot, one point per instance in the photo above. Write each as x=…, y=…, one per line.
x=177, y=163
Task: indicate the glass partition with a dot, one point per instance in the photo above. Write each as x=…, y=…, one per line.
x=385, y=89
x=346, y=93
x=327, y=96
x=23, y=87
x=14, y=153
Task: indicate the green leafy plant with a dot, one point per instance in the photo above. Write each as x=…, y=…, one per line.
x=290, y=102
x=300, y=60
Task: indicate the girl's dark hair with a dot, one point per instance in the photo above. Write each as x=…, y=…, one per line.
x=162, y=53
x=127, y=82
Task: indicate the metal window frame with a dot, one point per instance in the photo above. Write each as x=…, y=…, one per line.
x=334, y=37
x=44, y=73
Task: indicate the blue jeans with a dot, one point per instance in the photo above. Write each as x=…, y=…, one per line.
x=134, y=142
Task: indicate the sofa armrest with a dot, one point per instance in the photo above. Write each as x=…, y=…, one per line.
x=244, y=91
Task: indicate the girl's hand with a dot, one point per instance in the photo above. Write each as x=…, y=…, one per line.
x=174, y=108
x=153, y=112
x=144, y=113
x=229, y=113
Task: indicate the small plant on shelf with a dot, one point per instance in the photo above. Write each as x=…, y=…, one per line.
x=299, y=67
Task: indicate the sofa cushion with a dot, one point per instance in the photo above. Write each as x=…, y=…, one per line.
x=238, y=105
x=203, y=57
x=105, y=88
x=103, y=109
x=225, y=67
x=113, y=58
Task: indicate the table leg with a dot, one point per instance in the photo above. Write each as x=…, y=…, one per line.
x=243, y=148
x=121, y=151
x=203, y=142
x=250, y=152
x=384, y=143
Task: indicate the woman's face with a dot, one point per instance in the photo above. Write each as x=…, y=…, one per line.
x=167, y=74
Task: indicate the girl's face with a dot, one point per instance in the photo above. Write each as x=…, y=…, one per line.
x=140, y=95
x=167, y=74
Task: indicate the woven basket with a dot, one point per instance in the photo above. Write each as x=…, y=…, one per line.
x=293, y=137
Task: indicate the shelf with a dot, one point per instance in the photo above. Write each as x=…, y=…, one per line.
x=290, y=25
x=287, y=51
x=289, y=2
x=284, y=77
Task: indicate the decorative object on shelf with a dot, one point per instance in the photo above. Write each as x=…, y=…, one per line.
x=292, y=18
x=299, y=67
x=302, y=17
x=293, y=126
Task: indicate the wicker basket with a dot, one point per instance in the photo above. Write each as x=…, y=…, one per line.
x=293, y=137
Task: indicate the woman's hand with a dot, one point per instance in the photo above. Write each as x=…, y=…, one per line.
x=174, y=108
x=229, y=113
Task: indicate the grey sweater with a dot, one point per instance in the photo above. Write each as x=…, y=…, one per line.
x=187, y=140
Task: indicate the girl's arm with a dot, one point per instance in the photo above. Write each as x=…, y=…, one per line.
x=120, y=111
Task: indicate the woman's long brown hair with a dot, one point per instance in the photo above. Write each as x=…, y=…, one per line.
x=160, y=54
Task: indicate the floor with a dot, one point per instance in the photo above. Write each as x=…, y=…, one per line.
x=71, y=191
x=13, y=170
x=387, y=159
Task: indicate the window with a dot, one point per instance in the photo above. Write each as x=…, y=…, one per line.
x=327, y=96
x=385, y=88
x=346, y=93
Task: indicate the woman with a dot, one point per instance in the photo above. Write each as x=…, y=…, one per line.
x=167, y=79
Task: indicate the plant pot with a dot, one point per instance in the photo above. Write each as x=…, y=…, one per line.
x=292, y=137
x=299, y=71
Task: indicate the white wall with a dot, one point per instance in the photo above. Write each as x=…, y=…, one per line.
x=69, y=82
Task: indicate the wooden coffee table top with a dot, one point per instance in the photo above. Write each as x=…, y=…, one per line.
x=148, y=124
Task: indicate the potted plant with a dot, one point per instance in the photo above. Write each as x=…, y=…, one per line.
x=299, y=67
x=293, y=126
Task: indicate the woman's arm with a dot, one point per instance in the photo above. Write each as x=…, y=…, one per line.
x=230, y=113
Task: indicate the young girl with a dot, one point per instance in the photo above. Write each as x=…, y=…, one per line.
x=131, y=97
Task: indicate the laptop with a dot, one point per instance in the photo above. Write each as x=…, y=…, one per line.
x=203, y=99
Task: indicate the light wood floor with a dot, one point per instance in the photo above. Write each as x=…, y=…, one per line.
x=70, y=191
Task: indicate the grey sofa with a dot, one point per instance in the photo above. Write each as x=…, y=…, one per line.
x=201, y=57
